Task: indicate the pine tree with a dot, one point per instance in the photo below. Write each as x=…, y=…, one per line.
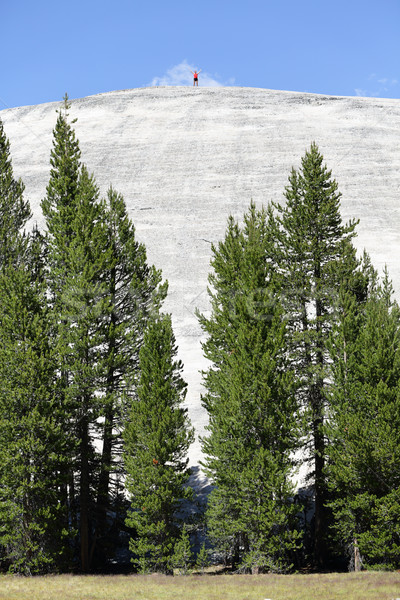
x=78, y=257
x=365, y=428
x=316, y=249
x=58, y=208
x=157, y=438
x=14, y=210
x=83, y=306
x=202, y=560
x=59, y=204
x=31, y=436
x=31, y=441
x=102, y=292
x=182, y=558
x=250, y=401
x=135, y=292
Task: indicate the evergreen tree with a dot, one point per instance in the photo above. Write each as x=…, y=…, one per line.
x=83, y=305
x=31, y=442
x=365, y=428
x=135, y=292
x=14, y=210
x=182, y=558
x=157, y=438
x=250, y=400
x=58, y=208
x=102, y=293
x=202, y=560
x=316, y=253
x=78, y=258
x=59, y=204
x=31, y=437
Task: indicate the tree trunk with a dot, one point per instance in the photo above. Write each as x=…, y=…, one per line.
x=317, y=404
x=84, y=496
x=104, y=478
x=103, y=490
x=319, y=463
x=357, y=558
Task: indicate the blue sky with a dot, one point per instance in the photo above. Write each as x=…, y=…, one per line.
x=86, y=47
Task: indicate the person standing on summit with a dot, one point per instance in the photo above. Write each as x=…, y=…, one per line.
x=196, y=77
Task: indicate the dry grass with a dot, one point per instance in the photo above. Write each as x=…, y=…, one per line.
x=351, y=586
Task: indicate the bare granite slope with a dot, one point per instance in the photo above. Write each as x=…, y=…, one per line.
x=186, y=158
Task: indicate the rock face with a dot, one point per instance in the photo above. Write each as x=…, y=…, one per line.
x=184, y=159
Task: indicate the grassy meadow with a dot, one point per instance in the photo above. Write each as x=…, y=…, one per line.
x=346, y=586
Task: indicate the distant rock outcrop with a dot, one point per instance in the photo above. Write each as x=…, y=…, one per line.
x=186, y=158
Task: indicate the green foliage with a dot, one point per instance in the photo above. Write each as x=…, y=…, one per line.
x=303, y=344
x=59, y=204
x=202, y=559
x=31, y=437
x=182, y=558
x=78, y=257
x=101, y=292
x=316, y=256
x=14, y=210
x=157, y=438
x=250, y=400
x=365, y=428
x=135, y=292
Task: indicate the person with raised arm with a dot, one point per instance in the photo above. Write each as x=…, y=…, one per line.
x=195, y=77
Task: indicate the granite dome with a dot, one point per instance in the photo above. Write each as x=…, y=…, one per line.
x=184, y=159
